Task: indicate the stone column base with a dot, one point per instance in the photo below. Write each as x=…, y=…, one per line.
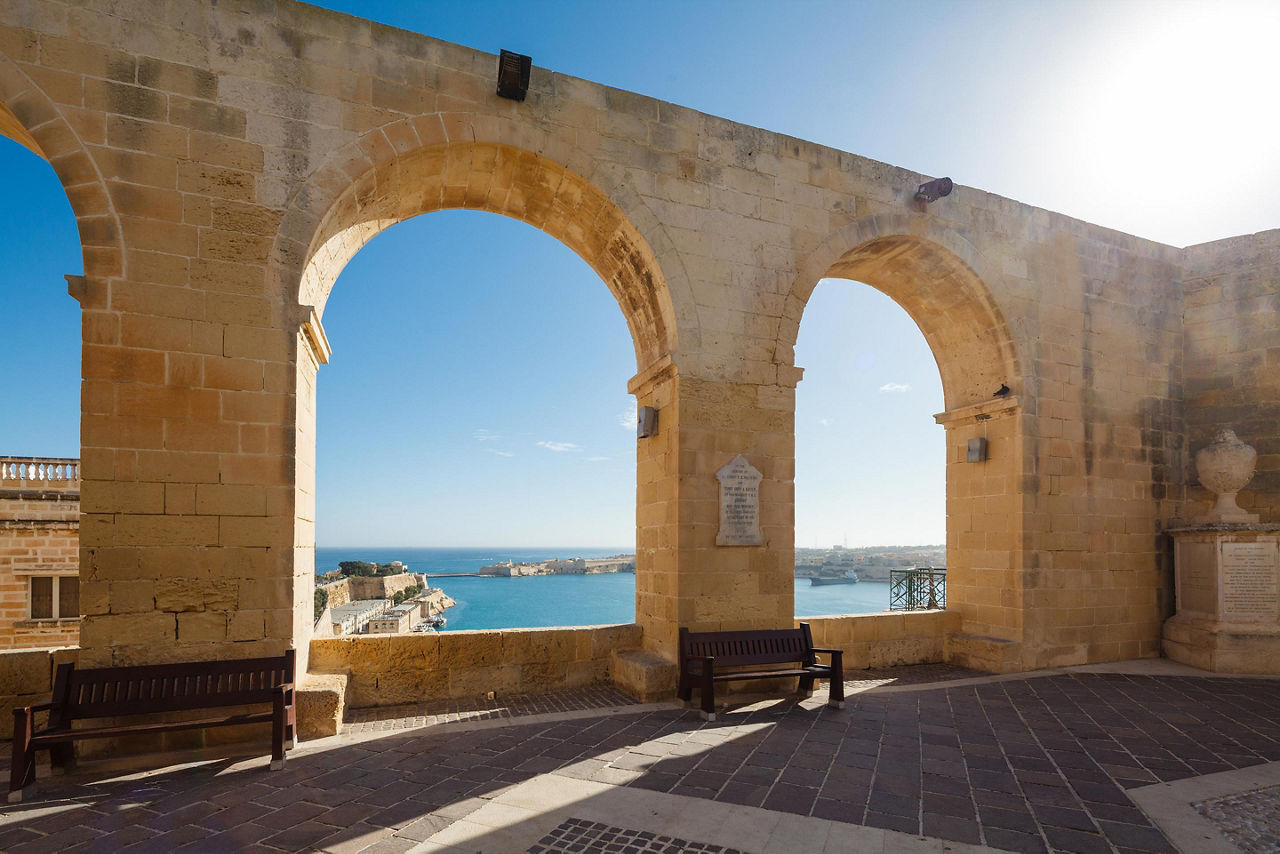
x=978, y=652
x=1222, y=647
x=320, y=701
x=644, y=675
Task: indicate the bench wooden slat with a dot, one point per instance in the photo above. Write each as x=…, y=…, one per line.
x=710, y=657
x=130, y=692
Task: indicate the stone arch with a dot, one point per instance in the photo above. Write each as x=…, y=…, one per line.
x=443, y=161
x=939, y=279
x=31, y=119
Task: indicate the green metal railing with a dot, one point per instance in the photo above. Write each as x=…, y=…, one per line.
x=918, y=589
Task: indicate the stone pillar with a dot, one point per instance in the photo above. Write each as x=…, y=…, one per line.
x=984, y=534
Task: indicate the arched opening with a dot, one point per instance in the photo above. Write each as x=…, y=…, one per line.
x=40, y=418
x=930, y=274
x=870, y=475
x=474, y=425
x=335, y=216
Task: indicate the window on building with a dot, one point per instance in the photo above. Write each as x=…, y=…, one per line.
x=55, y=597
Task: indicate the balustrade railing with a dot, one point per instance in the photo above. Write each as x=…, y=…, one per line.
x=39, y=473
x=918, y=589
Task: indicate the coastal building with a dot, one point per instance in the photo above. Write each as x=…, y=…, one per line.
x=393, y=620
x=353, y=618
x=39, y=552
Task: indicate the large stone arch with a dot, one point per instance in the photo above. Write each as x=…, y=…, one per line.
x=444, y=161
x=441, y=162
x=31, y=119
x=941, y=281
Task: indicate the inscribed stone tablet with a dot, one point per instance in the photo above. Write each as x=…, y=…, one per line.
x=1250, y=587
x=739, y=504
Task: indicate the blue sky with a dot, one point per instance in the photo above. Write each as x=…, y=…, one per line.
x=490, y=415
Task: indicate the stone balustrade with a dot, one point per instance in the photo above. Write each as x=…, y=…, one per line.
x=39, y=474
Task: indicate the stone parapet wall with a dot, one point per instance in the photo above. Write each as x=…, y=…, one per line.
x=391, y=670
x=885, y=640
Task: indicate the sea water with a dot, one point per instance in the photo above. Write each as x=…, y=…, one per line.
x=564, y=600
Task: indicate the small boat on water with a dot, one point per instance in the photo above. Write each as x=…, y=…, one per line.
x=843, y=579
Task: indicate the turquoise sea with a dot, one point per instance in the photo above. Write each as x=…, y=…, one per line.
x=563, y=600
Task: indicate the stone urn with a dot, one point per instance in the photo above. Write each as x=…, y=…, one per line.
x=1224, y=467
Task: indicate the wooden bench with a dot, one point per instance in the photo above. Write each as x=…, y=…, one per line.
x=710, y=657
x=149, y=690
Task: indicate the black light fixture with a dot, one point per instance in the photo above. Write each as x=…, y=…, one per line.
x=513, y=75
x=931, y=191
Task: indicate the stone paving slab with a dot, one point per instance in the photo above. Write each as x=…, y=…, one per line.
x=1032, y=764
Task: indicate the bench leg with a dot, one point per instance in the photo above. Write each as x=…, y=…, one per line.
x=708, y=695
x=835, y=696
x=22, y=773
x=805, y=689
x=278, y=727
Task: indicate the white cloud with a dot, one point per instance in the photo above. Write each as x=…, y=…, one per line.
x=826, y=422
x=483, y=435
x=500, y=453
x=895, y=387
x=627, y=419
x=596, y=459
x=559, y=447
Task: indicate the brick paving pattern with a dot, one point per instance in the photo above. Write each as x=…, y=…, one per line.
x=593, y=837
x=1035, y=764
x=409, y=716
x=1251, y=820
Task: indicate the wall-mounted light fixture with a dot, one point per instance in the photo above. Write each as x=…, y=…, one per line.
x=931, y=191
x=977, y=451
x=513, y=75
x=646, y=422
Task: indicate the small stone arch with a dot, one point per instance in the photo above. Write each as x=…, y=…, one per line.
x=939, y=279
x=28, y=117
x=443, y=161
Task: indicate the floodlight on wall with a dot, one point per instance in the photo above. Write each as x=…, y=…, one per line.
x=513, y=75
x=646, y=422
x=931, y=191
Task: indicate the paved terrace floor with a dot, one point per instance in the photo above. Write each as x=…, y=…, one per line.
x=1146, y=757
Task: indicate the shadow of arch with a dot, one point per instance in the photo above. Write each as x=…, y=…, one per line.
x=28, y=117
x=436, y=163
x=938, y=278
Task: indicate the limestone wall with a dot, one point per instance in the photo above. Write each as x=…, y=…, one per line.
x=389, y=670
x=1232, y=345
x=885, y=640
x=225, y=161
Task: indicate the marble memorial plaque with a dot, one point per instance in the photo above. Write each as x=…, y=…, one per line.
x=739, y=504
x=1250, y=587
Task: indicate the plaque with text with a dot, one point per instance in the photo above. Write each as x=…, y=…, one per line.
x=739, y=504
x=1250, y=586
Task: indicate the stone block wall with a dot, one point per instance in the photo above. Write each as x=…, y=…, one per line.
x=389, y=670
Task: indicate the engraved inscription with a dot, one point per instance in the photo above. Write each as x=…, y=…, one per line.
x=739, y=504
x=1250, y=587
